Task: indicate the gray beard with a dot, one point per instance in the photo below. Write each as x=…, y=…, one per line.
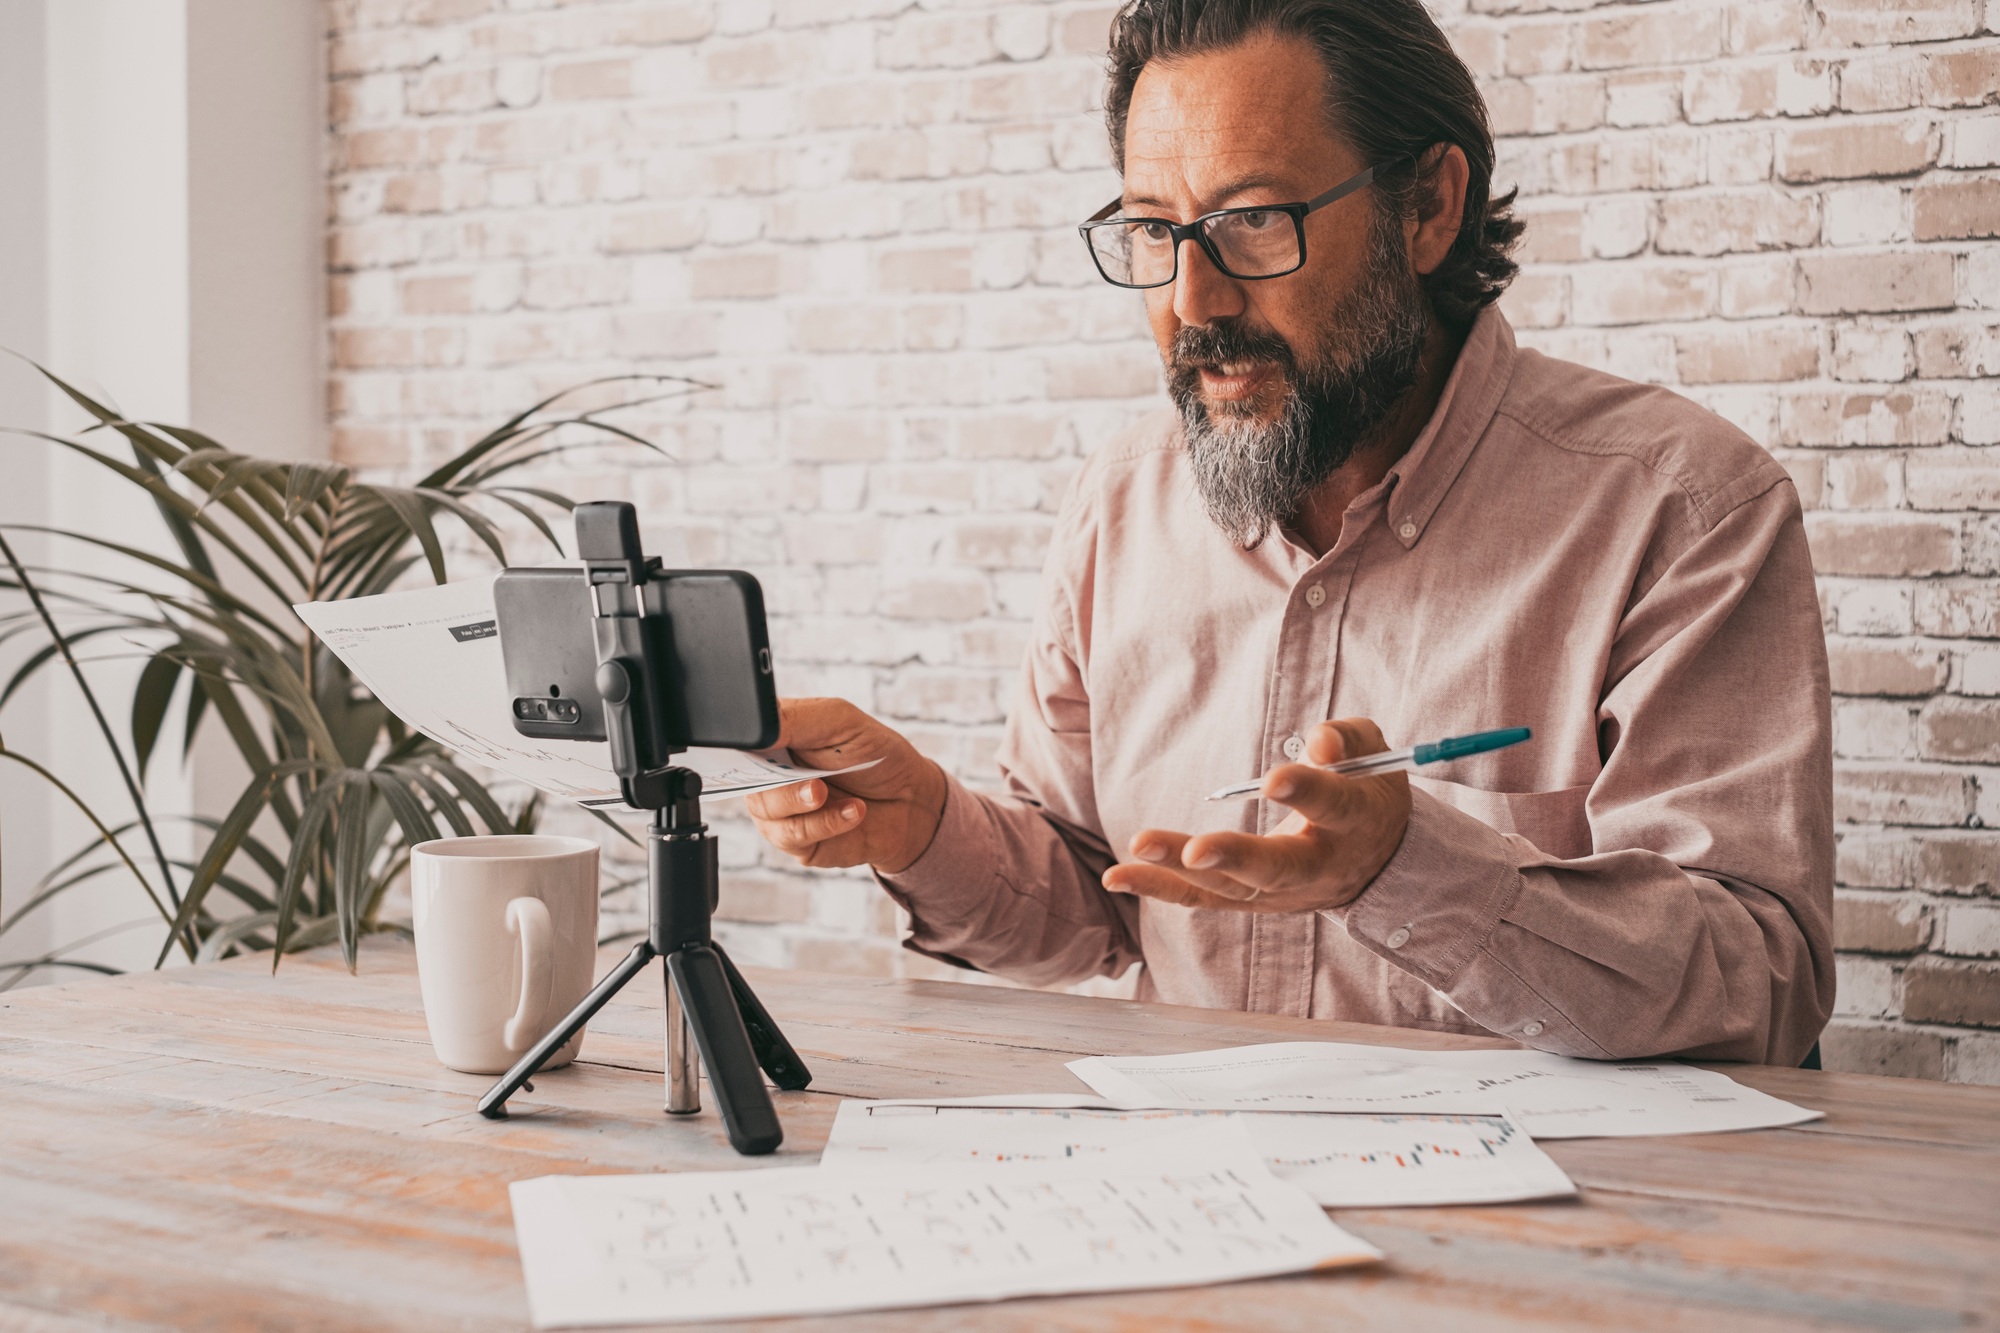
x=1255, y=475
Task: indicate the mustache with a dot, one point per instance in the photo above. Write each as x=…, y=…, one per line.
x=1209, y=346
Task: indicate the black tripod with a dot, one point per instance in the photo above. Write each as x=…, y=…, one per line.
x=704, y=991
x=647, y=666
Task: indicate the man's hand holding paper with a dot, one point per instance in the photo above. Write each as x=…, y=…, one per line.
x=885, y=815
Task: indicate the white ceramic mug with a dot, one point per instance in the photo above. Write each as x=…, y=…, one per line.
x=506, y=943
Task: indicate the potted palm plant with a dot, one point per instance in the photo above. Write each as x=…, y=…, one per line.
x=338, y=789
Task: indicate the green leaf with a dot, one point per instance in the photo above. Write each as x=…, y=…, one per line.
x=165, y=495
x=48, y=889
x=482, y=527
x=104, y=833
x=441, y=798
x=611, y=824
x=351, y=853
x=197, y=706
x=221, y=848
x=475, y=795
x=306, y=851
x=414, y=511
x=99, y=410
x=528, y=512
x=410, y=814
x=217, y=595
x=182, y=531
x=239, y=471
x=306, y=482
x=257, y=485
x=507, y=429
x=233, y=932
x=150, y=698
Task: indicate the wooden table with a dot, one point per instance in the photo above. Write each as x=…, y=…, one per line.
x=220, y=1148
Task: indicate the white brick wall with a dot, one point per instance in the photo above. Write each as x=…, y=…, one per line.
x=856, y=216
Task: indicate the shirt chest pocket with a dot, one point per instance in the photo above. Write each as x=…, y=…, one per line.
x=1552, y=820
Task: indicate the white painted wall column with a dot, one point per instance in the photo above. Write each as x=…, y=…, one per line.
x=160, y=243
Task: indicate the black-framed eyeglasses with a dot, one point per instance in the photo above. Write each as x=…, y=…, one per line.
x=1264, y=241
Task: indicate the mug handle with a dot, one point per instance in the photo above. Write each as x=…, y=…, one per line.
x=528, y=920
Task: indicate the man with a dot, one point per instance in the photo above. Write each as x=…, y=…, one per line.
x=1370, y=505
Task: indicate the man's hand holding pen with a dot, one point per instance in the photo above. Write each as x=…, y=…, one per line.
x=1341, y=832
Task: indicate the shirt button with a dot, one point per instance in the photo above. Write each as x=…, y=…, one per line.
x=1315, y=596
x=1533, y=1029
x=1398, y=937
x=1407, y=531
x=1294, y=747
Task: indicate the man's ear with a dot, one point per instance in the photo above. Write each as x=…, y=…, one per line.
x=1440, y=206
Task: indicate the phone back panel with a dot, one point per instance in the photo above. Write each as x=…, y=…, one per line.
x=714, y=645
x=720, y=653
x=546, y=641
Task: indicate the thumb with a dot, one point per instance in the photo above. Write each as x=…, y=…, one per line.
x=1344, y=738
x=817, y=724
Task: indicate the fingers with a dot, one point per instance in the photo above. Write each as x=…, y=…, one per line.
x=1166, y=886
x=784, y=802
x=1160, y=884
x=1257, y=864
x=1343, y=738
x=1168, y=850
x=800, y=834
x=1324, y=798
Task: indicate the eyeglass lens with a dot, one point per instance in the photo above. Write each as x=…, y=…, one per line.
x=1258, y=243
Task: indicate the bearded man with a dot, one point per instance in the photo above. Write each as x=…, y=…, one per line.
x=1370, y=505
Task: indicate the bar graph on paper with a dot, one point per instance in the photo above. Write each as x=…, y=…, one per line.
x=1341, y=1160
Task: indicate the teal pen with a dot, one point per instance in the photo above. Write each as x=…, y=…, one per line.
x=1399, y=761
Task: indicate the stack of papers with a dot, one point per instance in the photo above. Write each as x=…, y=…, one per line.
x=1184, y=1210
x=1183, y=1170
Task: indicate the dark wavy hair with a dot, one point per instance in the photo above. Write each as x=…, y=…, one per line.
x=1395, y=90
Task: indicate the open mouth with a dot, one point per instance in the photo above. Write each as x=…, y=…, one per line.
x=1236, y=379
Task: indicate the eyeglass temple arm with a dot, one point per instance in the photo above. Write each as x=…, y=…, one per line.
x=1341, y=191
x=1335, y=195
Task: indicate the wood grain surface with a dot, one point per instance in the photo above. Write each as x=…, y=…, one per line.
x=219, y=1148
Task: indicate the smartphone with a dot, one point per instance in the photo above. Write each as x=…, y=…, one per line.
x=705, y=626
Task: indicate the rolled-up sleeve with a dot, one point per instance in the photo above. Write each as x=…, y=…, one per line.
x=1012, y=883
x=1700, y=923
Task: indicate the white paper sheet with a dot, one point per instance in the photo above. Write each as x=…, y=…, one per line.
x=1342, y=1161
x=1192, y=1209
x=432, y=656
x=1549, y=1096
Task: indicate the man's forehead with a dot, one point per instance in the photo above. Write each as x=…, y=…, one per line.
x=1248, y=114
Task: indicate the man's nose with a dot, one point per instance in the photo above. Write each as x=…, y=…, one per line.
x=1203, y=293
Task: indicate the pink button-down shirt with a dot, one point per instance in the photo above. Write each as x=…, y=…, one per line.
x=1602, y=561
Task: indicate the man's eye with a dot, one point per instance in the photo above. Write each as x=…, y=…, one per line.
x=1256, y=221
x=1155, y=233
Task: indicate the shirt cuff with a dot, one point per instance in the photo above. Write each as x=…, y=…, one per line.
x=954, y=877
x=1440, y=897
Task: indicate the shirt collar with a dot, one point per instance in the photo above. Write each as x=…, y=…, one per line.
x=1472, y=393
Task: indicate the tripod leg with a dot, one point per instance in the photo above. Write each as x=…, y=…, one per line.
x=494, y=1104
x=774, y=1053
x=683, y=1076
x=746, y=1107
